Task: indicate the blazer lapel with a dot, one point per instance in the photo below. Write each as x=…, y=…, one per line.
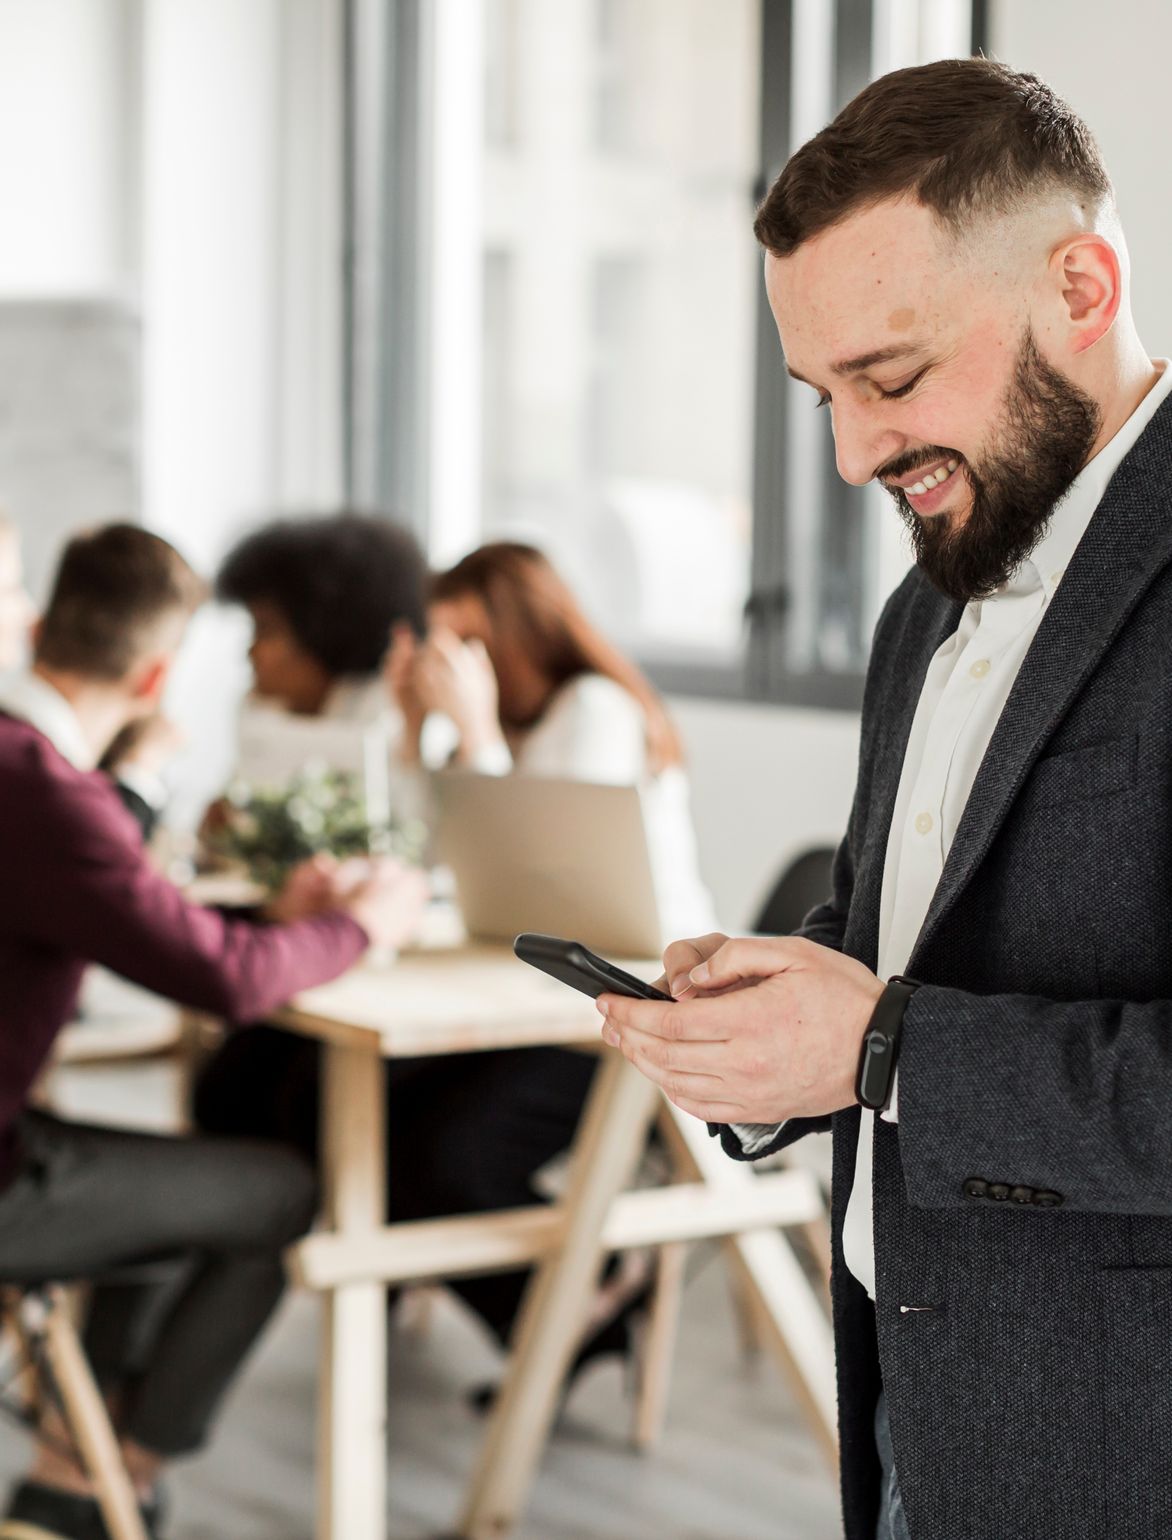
x=1127, y=543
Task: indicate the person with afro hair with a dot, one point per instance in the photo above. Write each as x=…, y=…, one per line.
x=325, y=596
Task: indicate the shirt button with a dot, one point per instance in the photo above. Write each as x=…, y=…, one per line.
x=980, y=668
x=1056, y=578
x=923, y=823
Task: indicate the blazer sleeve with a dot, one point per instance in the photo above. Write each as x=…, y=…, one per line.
x=1067, y=1098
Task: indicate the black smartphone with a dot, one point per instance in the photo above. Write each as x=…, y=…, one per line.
x=573, y=964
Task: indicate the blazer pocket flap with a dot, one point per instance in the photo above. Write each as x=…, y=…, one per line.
x=1094, y=771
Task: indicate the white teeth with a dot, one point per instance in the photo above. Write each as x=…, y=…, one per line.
x=933, y=479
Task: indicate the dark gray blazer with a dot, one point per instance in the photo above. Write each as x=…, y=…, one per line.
x=1023, y=1205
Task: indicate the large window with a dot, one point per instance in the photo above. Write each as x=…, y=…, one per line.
x=576, y=348
x=618, y=295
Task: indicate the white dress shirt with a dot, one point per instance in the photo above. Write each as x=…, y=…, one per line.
x=964, y=692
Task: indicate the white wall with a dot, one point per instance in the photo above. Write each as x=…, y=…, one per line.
x=767, y=784
x=67, y=146
x=68, y=266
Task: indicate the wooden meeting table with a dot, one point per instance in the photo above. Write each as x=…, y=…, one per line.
x=453, y=999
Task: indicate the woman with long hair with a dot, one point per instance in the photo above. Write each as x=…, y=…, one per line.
x=531, y=684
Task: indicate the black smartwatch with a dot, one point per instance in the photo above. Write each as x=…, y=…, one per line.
x=880, y=1050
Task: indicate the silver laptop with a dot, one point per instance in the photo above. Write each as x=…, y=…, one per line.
x=568, y=858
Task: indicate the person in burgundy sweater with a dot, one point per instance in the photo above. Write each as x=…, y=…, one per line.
x=77, y=1202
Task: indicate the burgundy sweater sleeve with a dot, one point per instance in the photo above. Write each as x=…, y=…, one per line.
x=78, y=881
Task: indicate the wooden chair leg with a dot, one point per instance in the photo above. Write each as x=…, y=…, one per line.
x=88, y=1420
x=14, y=1341
x=659, y=1348
x=746, y=1311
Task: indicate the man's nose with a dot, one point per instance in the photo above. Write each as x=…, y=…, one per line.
x=862, y=443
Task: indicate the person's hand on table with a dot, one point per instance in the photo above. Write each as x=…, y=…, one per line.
x=385, y=897
x=310, y=888
x=457, y=678
x=758, y=1030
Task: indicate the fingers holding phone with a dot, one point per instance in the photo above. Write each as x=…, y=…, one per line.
x=681, y=957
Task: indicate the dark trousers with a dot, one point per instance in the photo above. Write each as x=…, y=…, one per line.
x=465, y=1132
x=892, y=1519
x=189, y=1233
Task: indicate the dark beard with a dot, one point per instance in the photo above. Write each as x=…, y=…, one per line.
x=1050, y=426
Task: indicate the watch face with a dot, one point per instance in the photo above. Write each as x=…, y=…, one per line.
x=875, y=1067
x=880, y=1046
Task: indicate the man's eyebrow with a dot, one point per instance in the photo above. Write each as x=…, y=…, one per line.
x=848, y=366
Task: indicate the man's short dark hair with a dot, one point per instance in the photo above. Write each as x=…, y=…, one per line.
x=965, y=137
x=116, y=588
x=340, y=583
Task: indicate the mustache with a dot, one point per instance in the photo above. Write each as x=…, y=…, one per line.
x=914, y=460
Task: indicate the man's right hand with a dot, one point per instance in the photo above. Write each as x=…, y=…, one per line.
x=388, y=901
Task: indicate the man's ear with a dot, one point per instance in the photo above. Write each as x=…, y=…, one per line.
x=35, y=632
x=1090, y=276
x=149, y=679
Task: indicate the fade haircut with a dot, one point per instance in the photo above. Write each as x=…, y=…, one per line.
x=965, y=137
x=115, y=591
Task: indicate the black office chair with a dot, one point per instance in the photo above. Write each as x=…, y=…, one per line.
x=805, y=883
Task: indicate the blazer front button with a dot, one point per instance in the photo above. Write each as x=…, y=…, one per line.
x=975, y=1187
x=999, y=1191
x=1048, y=1200
x=1022, y=1195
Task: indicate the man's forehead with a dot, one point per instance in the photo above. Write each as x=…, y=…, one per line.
x=878, y=279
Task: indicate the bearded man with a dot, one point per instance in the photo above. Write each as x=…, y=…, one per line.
x=993, y=972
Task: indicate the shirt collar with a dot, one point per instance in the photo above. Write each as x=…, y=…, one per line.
x=35, y=701
x=1068, y=524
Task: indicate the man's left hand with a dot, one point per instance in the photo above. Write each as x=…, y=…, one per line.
x=780, y=1040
